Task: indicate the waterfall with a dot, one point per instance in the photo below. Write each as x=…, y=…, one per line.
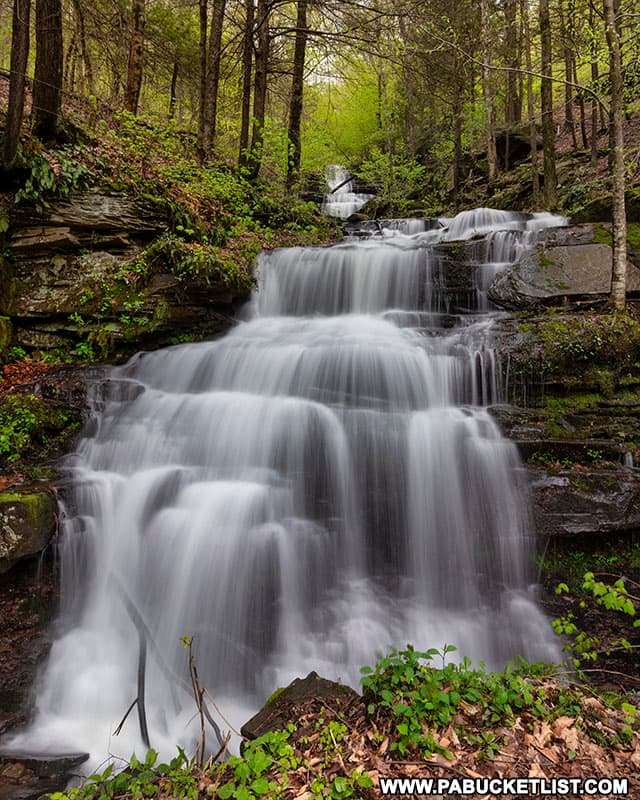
x=319, y=485
x=341, y=201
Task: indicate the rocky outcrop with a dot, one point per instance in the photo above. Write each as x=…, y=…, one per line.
x=579, y=502
x=72, y=275
x=568, y=265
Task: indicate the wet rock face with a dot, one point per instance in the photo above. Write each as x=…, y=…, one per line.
x=28, y=599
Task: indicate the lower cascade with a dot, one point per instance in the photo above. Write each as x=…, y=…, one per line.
x=319, y=485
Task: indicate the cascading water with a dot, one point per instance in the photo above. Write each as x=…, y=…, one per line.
x=317, y=486
x=341, y=201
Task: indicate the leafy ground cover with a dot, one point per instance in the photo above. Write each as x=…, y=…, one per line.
x=416, y=718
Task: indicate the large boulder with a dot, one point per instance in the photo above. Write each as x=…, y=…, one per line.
x=552, y=275
x=27, y=523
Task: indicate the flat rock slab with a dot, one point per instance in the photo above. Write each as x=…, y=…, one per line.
x=572, y=502
x=44, y=765
x=276, y=712
x=551, y=274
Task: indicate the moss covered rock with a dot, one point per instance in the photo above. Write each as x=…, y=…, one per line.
x=27, y=523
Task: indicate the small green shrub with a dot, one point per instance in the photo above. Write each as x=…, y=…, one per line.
x=418, y=700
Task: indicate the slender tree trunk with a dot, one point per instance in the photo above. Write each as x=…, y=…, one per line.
x=619, y=269
x=531, y=110
x=17, y=79
x=297, y=90
x=69, y=72
x=203, y=10
x=513, y=104
x=581, y=106
x=260, y=87
x=594, y=83
x=213, y=75
x=136, y=57
x=566, y=33
x=548, y=132
x=174, y=86
x=247, y=63
x=47, y=81
x=487, y=88
x=82, y=38
x=458, y=110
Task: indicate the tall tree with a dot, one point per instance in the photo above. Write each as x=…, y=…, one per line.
x=488, y=87
x=513, y=103
x=17, y=79
x=203, y=16
x=47, y=80
x=546, y=93
x=566, y=34
x=136, y=57
x=297, y=88
x=247, y=64
x=213, y=76
x=533, y=131
x=262, y=43
x=619, y=269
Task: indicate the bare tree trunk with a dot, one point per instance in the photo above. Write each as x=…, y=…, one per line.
x=566, y=24
x=531, y=111
x=513, y=103
x=203, y=9
x=136, y=57
x=247, y=63
x=213, y=75
x=458, y=108
x=548, y=132
x=583, y=115
x=487, y=88
x=17, y=80
x=82, y=37
x=260, y=87
x=297, y=90
x=174, y=86
x=619, y=269
x=47, y=81
x=594, y=83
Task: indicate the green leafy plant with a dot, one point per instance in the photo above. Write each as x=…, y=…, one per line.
x=54, y=175
x=417, y=701
x=583, y=646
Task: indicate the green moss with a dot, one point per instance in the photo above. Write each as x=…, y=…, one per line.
x=544, y=260
x=6, y=336
x=633, y=234
x=271, y=701
x=601, y=235
x=37, y=505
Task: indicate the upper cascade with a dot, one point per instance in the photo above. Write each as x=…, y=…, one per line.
x=341, y=201
x=399, y=267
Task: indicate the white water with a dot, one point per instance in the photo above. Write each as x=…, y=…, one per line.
x=343, y=201
x=315, y=487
